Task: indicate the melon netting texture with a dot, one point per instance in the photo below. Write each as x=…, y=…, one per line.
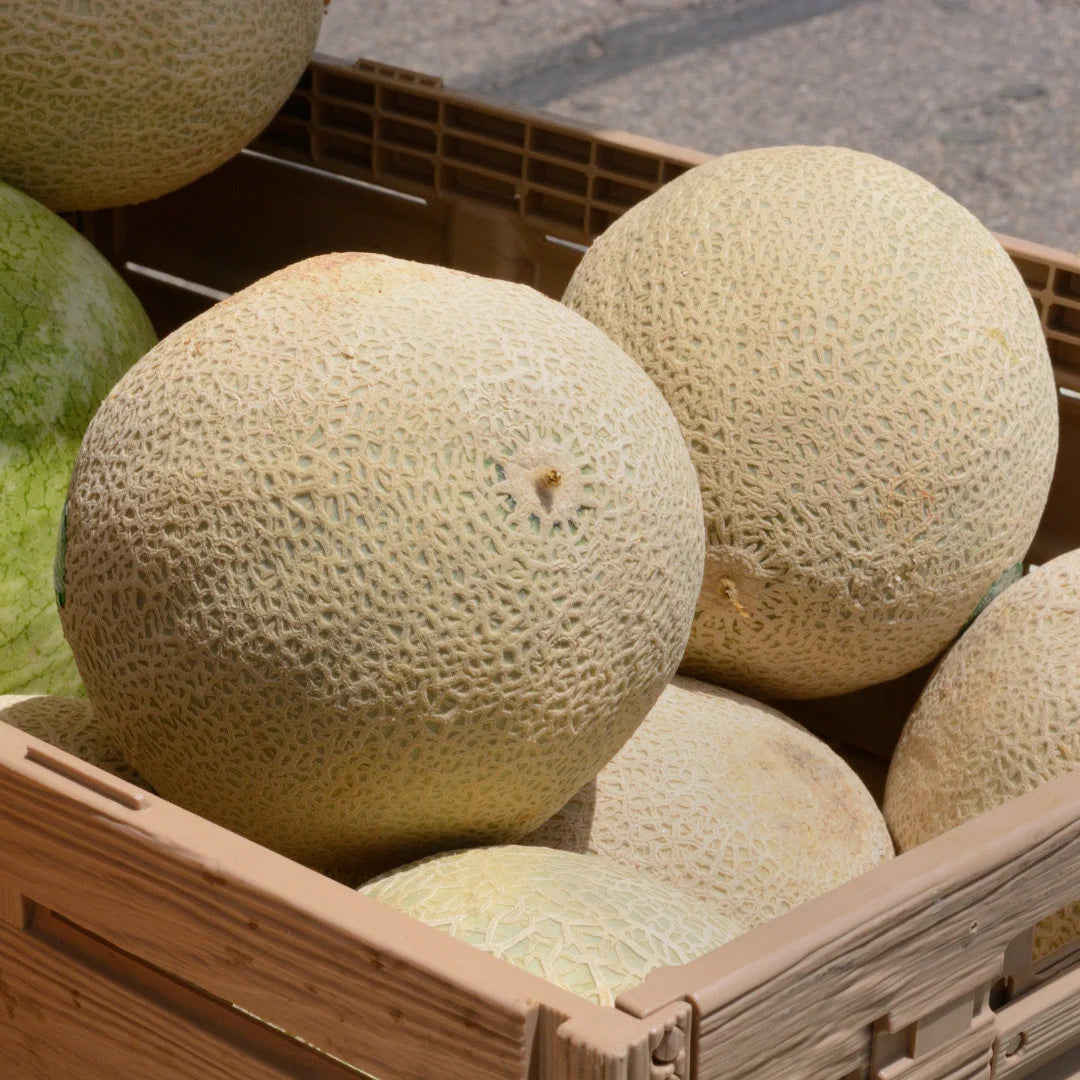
x=865, y=390
x=104, y=104
x=375, y=559
x=580, y=921
x=729, y=800
x=999, y=717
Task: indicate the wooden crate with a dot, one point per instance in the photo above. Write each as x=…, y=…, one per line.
x=138, y=940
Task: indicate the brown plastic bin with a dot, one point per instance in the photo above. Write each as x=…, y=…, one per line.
x=141, y=942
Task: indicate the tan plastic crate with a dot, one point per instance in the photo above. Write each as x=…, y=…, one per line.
x=138, y=940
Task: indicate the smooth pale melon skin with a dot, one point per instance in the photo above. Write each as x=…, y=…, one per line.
x=580, y=921
x=407, y=557
x=865, y=389
x=110, y=102
x=998, y=717
x=730, y=801
x=69, y=328
x=69, y=724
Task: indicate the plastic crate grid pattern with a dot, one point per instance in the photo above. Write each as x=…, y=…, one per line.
x=1056, y=292
x=403, y=131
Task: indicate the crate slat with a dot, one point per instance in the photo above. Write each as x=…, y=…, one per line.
x=360, y=981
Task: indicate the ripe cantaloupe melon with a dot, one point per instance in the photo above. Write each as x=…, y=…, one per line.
x=107, y=102
x=729, y=800
x=69, y=328
x=406, y=557
x=581, y=921
x=69, y=724
x=865, y=389
x=999, y=716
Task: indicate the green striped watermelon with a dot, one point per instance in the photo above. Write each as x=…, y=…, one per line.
x=69, y=328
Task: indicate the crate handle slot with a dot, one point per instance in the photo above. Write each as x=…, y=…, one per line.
x=100, y=785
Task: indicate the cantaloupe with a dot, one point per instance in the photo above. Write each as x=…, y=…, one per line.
x=106, y=102
x=69, y=328
x=581, y=921
x=865, y=389
x=730, y=801
x=405, y=557
x=69, y=724
x=999, y=716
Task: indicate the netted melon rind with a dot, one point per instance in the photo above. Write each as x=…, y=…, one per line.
x=109, y=103
x=580, y=921
x=866, y=392
x=729, y=800
x=405, y=556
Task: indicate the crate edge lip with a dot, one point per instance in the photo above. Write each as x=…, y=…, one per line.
x=989, y=840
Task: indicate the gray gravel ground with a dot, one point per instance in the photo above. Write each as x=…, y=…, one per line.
x=980, y=96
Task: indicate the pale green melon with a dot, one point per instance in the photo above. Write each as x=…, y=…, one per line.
x=865, y=389
x=69, y=328
x=107, y=102
x=581, y=921
x=406, y=556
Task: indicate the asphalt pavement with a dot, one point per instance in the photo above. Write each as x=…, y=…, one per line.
x=980, y=96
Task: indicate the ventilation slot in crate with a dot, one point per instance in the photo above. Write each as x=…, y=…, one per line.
x=599, y=220
x=559, y=178
x=542, y=206
x=1036, y=275
x=298, y=107
x=344, y=119
x=395, y=102
x=350, y=156
x=406, y=136
x=398, y=164
x=390, y=73
x=458, y=150
x=1066, y=356
x=671, y=169
x=1064, y=319
x=345, y=88
x=495, y=129
x=1067, y=284
x=616, y=194
x=558, y=144
x=285, y=135
x=479, y=185
x=625, y=163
